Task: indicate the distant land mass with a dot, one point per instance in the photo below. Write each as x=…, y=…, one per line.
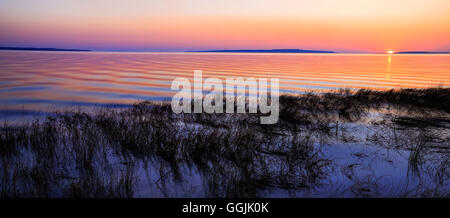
x=269, y=51
x=423, y=52
x=39, y=49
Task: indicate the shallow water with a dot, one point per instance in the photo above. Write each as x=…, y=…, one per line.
x=33, y=81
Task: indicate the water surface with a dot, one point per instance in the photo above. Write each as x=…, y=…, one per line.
x=41, y=81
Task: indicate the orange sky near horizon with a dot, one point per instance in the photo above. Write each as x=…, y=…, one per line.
x=177, y=25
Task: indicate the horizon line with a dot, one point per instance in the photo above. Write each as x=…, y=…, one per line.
x=273, y=51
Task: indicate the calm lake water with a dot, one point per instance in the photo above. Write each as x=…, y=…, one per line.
x=31, y=81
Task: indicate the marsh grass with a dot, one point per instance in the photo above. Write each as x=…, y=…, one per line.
x=78, y=154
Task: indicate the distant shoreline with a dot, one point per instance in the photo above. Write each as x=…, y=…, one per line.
x=39, y=49
x=287, y=51
x=268, y=51
x=422, y=52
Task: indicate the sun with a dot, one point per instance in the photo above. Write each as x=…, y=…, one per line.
x=390, y=52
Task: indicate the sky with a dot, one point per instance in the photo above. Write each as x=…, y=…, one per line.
x=180, y=25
